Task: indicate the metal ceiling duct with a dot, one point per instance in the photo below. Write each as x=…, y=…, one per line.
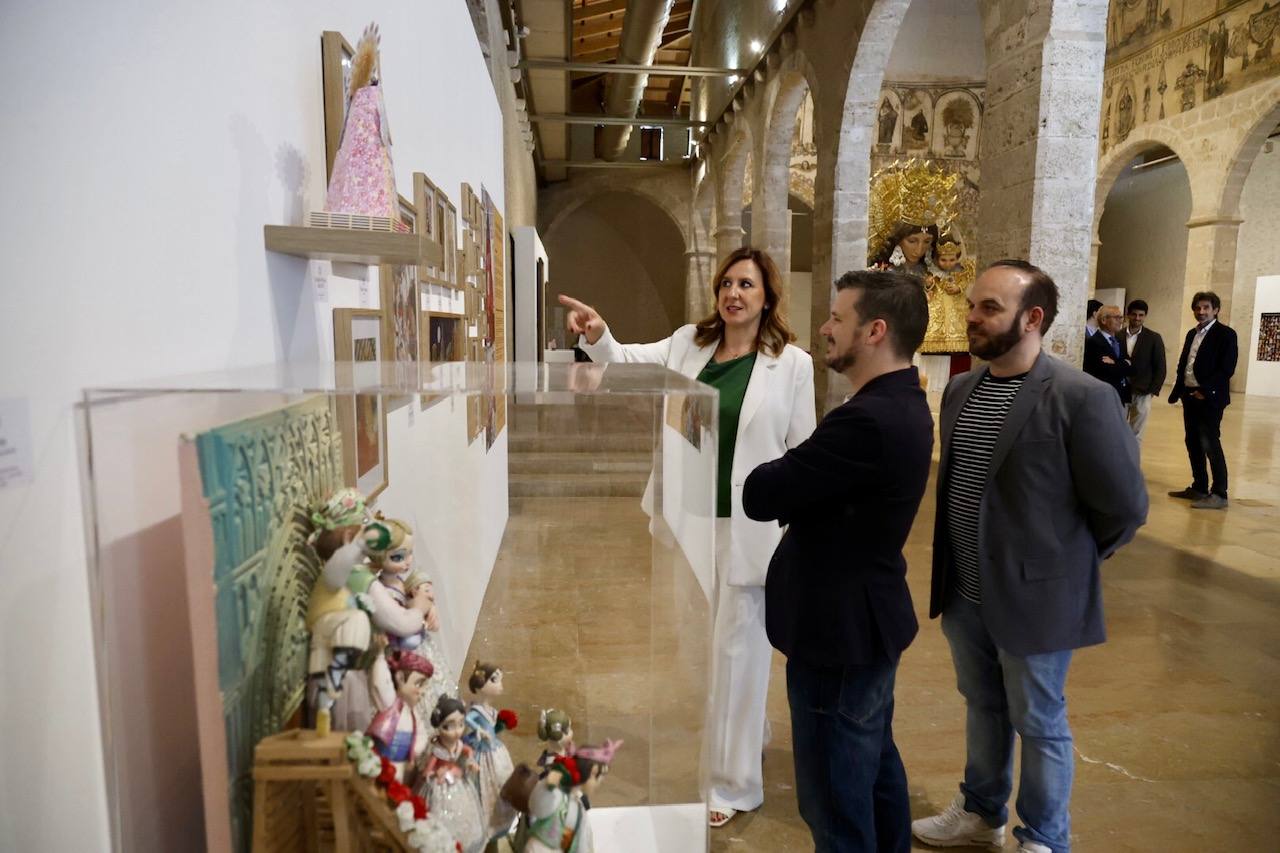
x=641, y=34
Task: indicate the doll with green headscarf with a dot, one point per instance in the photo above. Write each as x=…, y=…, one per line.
x=337, y=612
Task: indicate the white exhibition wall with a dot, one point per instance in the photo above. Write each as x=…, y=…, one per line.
x=146, y=145
x=1264, y=376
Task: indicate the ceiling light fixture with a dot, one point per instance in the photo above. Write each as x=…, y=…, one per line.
x=756, y=46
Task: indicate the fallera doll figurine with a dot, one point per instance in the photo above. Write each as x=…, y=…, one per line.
x=363, y=181
x=555, y=729
x=557, y=817
x=404, y=608
x=484, y=724
x=446, y=777
x=399, y=733
x=337, y=611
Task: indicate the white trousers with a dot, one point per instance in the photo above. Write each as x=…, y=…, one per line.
x=1138, y=409
x=741, y=654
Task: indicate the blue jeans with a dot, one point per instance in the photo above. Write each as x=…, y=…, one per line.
x=1005, y=693
x=850, y=782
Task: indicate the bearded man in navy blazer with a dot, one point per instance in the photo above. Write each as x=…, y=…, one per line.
x=836, y=597
x=1038, y=483
x=1203, y=385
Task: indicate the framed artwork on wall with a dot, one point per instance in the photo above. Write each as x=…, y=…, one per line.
x=358, y=346
x=427, y=198
x=398, y=292
x=336, y=54
x=441, y=339
x=1269, y=337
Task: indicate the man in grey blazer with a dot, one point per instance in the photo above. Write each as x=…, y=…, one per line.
x=1038, y=484
x=1145, y=349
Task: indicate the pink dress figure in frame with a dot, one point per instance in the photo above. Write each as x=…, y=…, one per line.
x=363, y=181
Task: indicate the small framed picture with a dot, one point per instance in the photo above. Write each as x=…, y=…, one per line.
x=398, y=292
x=336, y=54
x=362, y=418
x=427, y=199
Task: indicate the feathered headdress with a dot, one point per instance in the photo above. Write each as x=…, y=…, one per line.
x=364, y=65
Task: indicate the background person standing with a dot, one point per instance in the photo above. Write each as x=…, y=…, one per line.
x=1203, y=385
x=1145, y=349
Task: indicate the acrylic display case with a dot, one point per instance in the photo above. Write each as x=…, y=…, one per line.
x=564, y=512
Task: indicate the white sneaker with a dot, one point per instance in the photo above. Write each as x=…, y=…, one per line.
x=1033, y=847
x=956, y=827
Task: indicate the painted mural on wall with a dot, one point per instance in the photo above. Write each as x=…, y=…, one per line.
x=939, y=124
x=1165, y=57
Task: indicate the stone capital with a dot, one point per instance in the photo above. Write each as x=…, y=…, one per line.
x=1225, y=221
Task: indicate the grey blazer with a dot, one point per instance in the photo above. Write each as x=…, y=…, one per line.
x=1064, y=491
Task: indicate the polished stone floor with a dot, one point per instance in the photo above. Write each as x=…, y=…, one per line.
x=1176, y=718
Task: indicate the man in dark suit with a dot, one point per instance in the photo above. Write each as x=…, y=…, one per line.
x=1203, y=384
x=1038, y=483
x=836, y=597
x=1145, y=349
x=1104, y=357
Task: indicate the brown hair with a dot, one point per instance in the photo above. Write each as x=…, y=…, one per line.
x=896, y=298
x=480, y=675
x=775, y=333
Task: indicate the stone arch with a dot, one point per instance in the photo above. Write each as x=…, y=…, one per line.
x=562, y=206
x=1113, y=164
x=1226, y=199
x=853, y=146
x=784, y=98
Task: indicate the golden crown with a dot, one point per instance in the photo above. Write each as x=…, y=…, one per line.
x=948, y=247
x=914, y=192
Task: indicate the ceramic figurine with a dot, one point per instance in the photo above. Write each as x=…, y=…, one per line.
x=339, y=625
x=363, y=180
x=555, y=729
x=404, y=608
x=557, y=819
x=399, y=733
x=484, y=725
x=446, y=777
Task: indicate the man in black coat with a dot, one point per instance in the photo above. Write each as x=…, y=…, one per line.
x=1203, y=384
x=1104, y=355
x=836, y=597
x=1145, y=349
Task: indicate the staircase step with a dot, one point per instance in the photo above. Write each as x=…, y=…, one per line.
x=577, y=485
x=575, y=442
x=552, y=464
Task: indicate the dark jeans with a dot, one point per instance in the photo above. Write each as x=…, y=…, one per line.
x=1202, y=422
x=850, y=782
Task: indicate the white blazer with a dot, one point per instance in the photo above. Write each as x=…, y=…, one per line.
x=778, y=412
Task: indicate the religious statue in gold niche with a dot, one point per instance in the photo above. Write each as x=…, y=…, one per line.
x=946, y=284
x=912, y=207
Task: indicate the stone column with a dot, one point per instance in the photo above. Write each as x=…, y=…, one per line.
x=1211, y=260
x=729, y=235
x=699, y=267
x=1040, y=147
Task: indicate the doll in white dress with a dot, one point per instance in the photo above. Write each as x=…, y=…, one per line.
x=446, y=779
x=484, y=725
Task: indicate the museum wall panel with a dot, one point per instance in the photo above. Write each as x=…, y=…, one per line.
x=147, y=149
x=1258, y=253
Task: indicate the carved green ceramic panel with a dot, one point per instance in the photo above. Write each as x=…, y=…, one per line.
x=260, y=477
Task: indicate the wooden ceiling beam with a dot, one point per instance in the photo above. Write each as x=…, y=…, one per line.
x=587, y=11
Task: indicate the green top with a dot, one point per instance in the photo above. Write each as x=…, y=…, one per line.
x=730, y=378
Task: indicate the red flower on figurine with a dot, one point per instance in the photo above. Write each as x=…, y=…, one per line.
x=419, y=807
x=398, y=792
x=387, y=774
x=507, y=720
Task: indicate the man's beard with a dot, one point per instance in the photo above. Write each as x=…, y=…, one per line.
x=990, y=348
x=839, y=363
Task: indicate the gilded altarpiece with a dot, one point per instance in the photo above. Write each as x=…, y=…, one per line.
x=258, y=477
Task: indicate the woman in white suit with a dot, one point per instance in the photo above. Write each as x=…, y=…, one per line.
x=744, y=350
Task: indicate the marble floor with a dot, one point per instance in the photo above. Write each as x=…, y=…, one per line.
x=1175, y=717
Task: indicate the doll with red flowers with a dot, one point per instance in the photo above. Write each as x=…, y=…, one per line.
x=557, y=819
x=484, y=725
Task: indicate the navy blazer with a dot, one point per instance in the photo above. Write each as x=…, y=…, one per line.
x=1064, y=490
x=1117, y=374
x=836, y=592
x=1215, y=364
